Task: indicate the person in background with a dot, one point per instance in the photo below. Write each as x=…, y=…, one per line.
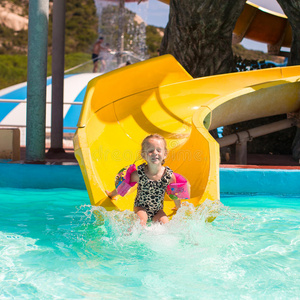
x=97, y=55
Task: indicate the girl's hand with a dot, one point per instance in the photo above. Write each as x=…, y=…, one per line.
x=177, y=205
x=112, y=195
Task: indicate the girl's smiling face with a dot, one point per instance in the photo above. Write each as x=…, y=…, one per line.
x=154, y=151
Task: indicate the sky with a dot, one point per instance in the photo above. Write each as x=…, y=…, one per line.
x=157, y=13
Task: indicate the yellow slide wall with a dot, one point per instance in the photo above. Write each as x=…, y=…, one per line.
x=159, y=96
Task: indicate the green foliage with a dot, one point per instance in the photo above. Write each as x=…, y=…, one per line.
x=153, y=39
x=20, y=2
x=80, y=33
x=12, y=42
x=81, y=25
x=75, y=59
x=247, y=60
x=13, y=68
x=243, y=53
x=81, y=30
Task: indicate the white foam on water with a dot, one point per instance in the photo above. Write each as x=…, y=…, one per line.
x=60, y=252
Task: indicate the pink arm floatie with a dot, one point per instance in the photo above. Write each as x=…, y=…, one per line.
x=180, y=189
x=122, y=181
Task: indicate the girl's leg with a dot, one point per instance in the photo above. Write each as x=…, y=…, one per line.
x=141, y=213
x=161, y=217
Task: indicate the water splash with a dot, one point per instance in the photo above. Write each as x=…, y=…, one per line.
x=122, y=230
x=133, y=47
x=52, y=249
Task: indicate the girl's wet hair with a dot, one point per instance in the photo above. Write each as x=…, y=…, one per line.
x=153, y=136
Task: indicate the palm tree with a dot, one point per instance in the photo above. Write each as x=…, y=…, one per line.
x=292, y=10
x=199, y=34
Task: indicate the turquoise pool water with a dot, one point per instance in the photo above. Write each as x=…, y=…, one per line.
x=52, y=247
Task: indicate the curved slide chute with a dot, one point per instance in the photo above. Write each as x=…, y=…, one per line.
x=159, y=96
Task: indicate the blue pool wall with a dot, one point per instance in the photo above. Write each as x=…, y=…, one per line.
x=41, y=176
x=269, y=181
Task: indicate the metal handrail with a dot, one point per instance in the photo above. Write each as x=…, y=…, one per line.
x=24, y=126
x=113, y=53
x=25, y=101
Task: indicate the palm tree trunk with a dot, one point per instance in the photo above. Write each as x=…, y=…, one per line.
x=292, y=9
x=199, y=34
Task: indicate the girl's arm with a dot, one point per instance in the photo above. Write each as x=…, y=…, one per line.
x=178, y=189
x=176, y=201
x=113, y=194
x=123, y=186
x=134, y=177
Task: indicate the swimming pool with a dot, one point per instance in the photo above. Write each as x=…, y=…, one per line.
x=52, y=247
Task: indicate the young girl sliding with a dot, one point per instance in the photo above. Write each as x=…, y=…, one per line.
x=153, y=181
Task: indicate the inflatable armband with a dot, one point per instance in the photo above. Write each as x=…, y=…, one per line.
x=122, y=181
x=180, y=189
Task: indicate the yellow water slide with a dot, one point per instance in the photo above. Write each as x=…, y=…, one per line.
x=265, y=26
x=159, y=96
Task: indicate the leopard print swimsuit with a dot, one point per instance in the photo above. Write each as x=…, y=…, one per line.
x=150, y=193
